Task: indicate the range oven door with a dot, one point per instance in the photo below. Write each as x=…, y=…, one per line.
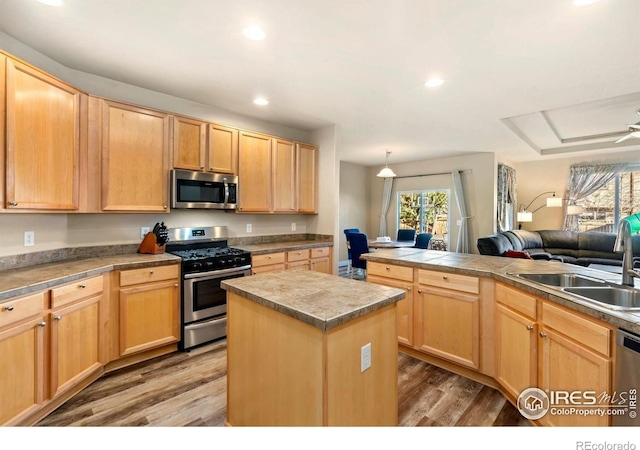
x=203, y=297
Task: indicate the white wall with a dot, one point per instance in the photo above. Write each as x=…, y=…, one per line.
x=354, y=203
x=54, y=231
x=479, y=186
x=535, y=177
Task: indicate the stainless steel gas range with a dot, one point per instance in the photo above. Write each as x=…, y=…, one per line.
x=206, y=261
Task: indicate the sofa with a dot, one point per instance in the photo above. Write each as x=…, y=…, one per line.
x=576, y=247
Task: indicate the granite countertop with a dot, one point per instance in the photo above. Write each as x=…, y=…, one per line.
x=324, y=301
x=287, y=246
x=25, y=280
x=501, y=269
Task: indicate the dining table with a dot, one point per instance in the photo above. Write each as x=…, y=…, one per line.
x=373, y=243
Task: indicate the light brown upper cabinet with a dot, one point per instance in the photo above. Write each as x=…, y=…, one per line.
x=134, y=153
x=307, y=178
x=254, y=172
x=277, y=175
x=222, y=149
x=284, y=176
x=43, y=118
x=189, y=143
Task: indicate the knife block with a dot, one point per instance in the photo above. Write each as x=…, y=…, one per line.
x=150, y=245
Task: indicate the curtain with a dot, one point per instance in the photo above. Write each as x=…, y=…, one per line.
x=584, y=180
x=507, y=198
x=463, y=234
x=386, y=199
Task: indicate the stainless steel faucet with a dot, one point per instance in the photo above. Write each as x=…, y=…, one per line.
x=624, y=245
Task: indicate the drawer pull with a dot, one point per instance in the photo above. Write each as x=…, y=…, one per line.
x=444, y=277
x=82, y=286
x=529, y=327
x=58, y=318
x=408, y=289
x=13, y=203
x=388, y=268
x=42, y=324
x=9, y=308
x=543, y=335
x=151, y=272
x=269, y=257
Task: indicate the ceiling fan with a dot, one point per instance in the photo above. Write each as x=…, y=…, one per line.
x=634, y=131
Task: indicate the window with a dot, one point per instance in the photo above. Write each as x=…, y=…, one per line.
x=424, y=211
x=604, y=208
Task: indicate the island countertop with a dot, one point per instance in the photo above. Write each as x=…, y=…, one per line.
x=321, y=300
x=503, y=269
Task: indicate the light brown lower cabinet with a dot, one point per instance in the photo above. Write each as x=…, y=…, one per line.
x=318, y=259
x=553, y=349
x=149, y=308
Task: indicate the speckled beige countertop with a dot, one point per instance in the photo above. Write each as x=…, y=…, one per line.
x=24, y=280
x=500, y=269
x=324, y=301
x=289, y=246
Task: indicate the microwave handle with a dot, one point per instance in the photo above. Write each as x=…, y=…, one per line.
x=226, y=193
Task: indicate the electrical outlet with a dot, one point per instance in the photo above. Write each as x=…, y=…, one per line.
x=144, y=231
x=293, y=226
x=249, y=228
x=365, y=357
x=29, y=238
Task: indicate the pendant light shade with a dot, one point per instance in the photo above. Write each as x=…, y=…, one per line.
x=386, y=172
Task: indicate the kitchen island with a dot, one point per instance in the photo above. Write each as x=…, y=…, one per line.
x=298, y=346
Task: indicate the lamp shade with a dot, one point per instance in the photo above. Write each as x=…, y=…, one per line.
x=554, y=202
x=525, y=216
x=386, y=173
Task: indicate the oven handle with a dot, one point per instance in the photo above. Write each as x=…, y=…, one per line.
x=217, y=273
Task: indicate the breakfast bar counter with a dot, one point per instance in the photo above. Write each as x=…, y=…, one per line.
x=310, y=349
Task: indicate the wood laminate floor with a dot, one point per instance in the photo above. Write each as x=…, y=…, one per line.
x=189, y=389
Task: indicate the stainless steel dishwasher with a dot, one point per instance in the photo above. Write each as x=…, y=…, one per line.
x=628, y=375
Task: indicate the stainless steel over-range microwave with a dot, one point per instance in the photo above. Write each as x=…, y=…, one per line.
x=203, y=190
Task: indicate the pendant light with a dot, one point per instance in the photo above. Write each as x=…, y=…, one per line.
x=386, y=172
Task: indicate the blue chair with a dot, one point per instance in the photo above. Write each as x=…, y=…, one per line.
x=422, y=240
x=359, y=244
x=346, y=235
x=406, y=235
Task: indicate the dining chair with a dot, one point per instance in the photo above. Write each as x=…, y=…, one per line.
x=359, y=244
x=422, y=240
x=346, y=235
x=406, y=235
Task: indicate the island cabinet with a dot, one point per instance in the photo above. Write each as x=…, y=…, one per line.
x=448, y=317
x=43, y=143
x=133, y=148
x=311, y=349
x=544, y=345
x=148, y=309
x=402, y=278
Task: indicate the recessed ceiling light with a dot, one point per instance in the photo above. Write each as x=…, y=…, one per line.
x=584, y=2
x=51, y=2
x=261, y=101
x=254, y=33
x=434, y=82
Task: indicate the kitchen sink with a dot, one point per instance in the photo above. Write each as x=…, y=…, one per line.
x=561, y=279
x=613, y=297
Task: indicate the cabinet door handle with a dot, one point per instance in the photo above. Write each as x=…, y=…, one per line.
x=13, y=203
x=543, y=335
x=419, y=291
x=202, y=168
x=9, y=308
x=42, y=324
x=529, y=327
x=408, y=289
x=164, y=206
x=58, y=318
